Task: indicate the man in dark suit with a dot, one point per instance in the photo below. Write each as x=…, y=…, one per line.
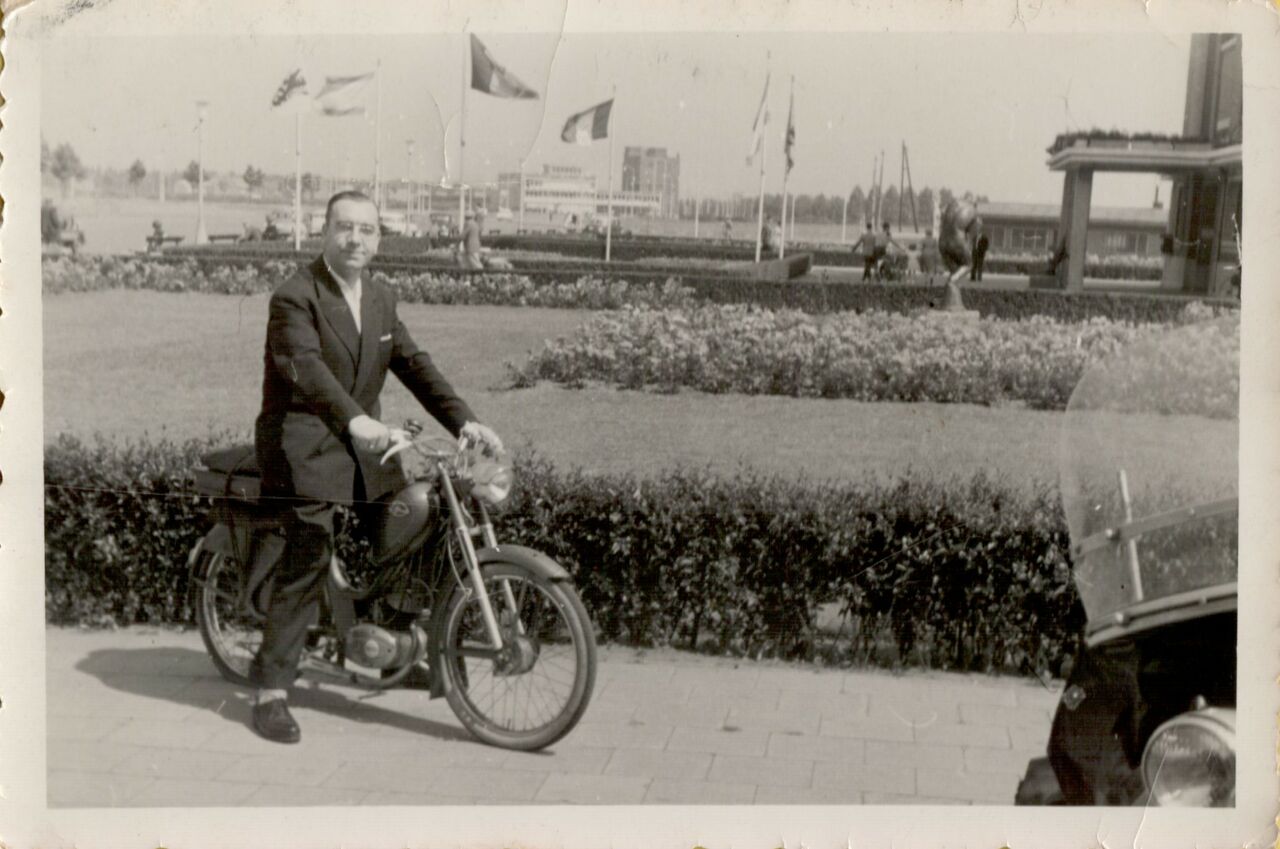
x=332, y=336
x=980, y=245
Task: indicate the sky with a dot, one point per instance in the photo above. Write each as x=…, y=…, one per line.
x=975, y=111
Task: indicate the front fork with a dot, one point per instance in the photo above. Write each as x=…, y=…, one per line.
x=465, y=533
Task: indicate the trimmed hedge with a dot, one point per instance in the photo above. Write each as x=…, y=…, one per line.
x=672, y=253
x=241, y=275
x=943, y=574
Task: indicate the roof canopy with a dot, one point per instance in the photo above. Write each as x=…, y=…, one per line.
x=1139, y=157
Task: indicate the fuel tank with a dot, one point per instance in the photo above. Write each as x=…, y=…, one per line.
x=405, y=521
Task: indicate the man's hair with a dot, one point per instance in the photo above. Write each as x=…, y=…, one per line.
x=348, y=194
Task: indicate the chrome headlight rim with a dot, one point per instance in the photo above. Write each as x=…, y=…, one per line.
x=491, y=483
x=1219, y=724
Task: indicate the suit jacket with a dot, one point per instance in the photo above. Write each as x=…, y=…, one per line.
x=320, y=373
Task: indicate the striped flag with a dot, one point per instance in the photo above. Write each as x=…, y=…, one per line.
x=589, y=125
x=790, y=141
x=762, y=121
x=491, y=78
x=340, y=95
x=294, y=85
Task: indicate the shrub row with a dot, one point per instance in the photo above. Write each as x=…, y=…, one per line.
x=868, y=357
x=578, y=292
x=953, y=575
x=1111, y=267
x=818, y=298
x=691, y=252
x=240, y=275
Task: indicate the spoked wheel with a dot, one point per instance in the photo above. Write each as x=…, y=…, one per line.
x=231, y=636
x=536, y=689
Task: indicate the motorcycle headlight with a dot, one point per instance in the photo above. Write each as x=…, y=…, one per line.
x=1191, y=760
x=492, y=487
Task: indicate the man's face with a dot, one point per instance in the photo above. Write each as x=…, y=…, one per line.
x=351, y=236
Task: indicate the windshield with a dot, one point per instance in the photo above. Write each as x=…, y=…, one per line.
x=1149, y=476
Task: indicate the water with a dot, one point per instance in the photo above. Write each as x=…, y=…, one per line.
x=121, y=225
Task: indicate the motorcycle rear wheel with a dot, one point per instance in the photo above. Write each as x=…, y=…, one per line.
x=535, y=692
x=231, y=636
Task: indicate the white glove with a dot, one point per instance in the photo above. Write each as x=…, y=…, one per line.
x=476, y=432
x=368, y=434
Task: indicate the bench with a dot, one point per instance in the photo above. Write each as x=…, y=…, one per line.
x=224, y=237
x=155, y=243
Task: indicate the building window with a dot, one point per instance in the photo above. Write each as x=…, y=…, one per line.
x=1116, y=242
x=1227, y=119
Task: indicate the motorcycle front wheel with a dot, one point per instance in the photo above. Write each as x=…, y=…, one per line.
x=231, y=636
x=532, y=692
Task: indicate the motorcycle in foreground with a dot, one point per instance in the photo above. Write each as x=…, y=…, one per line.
x=1149, y=483
x=498, y=630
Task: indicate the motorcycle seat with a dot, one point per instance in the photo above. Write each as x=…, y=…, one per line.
x=240, y=460
x=230, y=472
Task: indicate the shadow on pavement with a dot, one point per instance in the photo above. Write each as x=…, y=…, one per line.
x=144, y=672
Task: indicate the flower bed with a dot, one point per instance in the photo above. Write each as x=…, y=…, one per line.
x=869, y=357
x=244, y=278
x=944, y=574
x=577, y=287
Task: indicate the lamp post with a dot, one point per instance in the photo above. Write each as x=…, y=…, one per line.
x=202, y=235
x=409, y=181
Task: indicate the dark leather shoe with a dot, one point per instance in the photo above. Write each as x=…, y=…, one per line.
x=273, y=722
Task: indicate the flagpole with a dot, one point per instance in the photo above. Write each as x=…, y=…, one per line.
x=613, y=131
x=782, y=245
x=202, y=235
x=844, y=220
x=462, y=140
x=520, y=224
x=377, y=139
x=764, y=149
x=871, y=197
x=297, y=180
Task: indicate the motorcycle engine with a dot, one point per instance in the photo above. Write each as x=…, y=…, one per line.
x=378, y=648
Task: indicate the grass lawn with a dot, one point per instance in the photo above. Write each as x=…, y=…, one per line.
x=127, y=363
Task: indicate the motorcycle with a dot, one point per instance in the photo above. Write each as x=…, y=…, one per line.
x=498, y=630
x=1149, y=484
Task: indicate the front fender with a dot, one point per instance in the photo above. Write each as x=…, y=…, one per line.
x=532, y=559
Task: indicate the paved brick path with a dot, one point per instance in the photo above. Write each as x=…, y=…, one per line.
x=139, y=717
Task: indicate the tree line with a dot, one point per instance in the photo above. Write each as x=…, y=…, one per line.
x=830, y=209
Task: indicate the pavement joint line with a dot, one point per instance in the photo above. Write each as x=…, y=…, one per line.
x=879, y=717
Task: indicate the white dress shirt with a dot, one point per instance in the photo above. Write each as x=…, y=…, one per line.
x=350, y=292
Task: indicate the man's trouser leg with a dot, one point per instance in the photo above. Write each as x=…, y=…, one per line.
x=295, y=597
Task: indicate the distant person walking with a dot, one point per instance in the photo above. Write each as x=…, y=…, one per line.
x=469, y=247
x=867, y=247
x=727, y=230
x=929, y=253
x=980, y=245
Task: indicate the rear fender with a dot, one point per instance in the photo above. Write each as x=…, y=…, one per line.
x=219, y=540
x=531, y=559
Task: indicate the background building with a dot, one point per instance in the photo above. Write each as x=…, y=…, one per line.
x=1033, y=228
x=562, y=191
x=1205, y=213
x=650, y=171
